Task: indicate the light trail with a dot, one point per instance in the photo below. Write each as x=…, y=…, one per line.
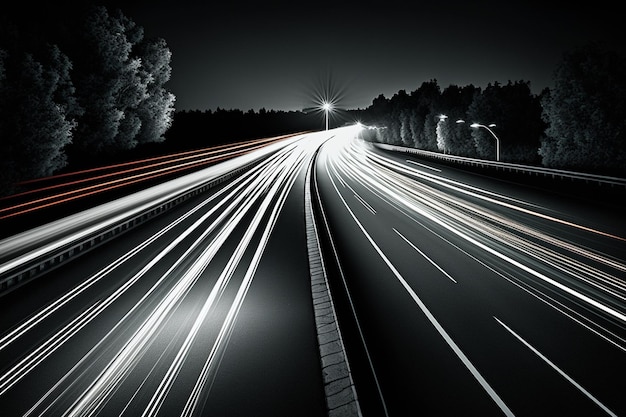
x=485, y=195
x=423, y=165
x=123, y=175
x=431, y=318
x=506, y=236
x=176, y=310
x=557, y=369
x=365, y=204
x=260, y=192
x=23, y=248
x=483, y=228
x=426, y=257
x=273, y=201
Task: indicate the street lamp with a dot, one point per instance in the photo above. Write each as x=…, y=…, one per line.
x=477, y=125
x=327, y=107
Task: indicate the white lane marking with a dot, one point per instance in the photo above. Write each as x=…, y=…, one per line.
x=556, y=368
x=423, y=166
x=367, y=206
x=455, y=348
x=425, y=256
x=587, y=299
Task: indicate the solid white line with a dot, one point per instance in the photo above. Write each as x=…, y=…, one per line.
x=424, y=255
x=367, y=206
x=587, y=299
x=556, y=368
x=455, y=348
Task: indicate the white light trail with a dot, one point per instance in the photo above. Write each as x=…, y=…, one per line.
x=24, y=368
x=434, y=322
x=136, y=347
x=482, y=228
x=262, y=189
x=425, y=256
x=365, y=203
x=274, y=200
x=423, y=165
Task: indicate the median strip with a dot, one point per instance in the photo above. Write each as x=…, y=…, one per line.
x=339, y=388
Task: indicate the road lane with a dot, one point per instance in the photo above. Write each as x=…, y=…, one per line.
x=192, y=312
x=455, y=295
x=476, y=265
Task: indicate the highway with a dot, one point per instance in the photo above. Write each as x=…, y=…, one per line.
x=469, y=296
x=454, y=294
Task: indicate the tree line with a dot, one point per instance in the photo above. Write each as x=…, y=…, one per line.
x=75, y=84
x=84, y=84
x=193, y=129
x=578, y=124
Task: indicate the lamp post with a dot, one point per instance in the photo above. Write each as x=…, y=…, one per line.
x=326, y=107
x=477, y=125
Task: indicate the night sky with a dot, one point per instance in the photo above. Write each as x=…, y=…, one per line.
x=280, y=55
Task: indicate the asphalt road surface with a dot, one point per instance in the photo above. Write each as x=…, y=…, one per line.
x=455, y=293
x=467, y=295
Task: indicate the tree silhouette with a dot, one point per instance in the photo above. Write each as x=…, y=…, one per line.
x=38, y=111
x=585, y=112
x=425, y=101
x=108, y=84
x=77, y=80
x=517, y=115
x=455, y=101
x=156, y=110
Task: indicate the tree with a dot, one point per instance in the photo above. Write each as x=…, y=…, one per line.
x=77, y=80
x=398, y=103
x=109, y=85
x=442, y=132
x=405, y=132
x=585, y=112
x=516, y=112
x=455, y=102
x=156, y=111
x=35, y=127
x=424, y=118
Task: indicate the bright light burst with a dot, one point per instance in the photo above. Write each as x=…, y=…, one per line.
x=325, y=98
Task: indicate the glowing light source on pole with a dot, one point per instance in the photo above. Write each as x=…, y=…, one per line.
x=478, y=125
x=327, y=107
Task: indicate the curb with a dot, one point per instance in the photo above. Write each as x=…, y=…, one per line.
x=341, y=398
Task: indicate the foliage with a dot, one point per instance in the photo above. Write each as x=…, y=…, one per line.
x=69, y=91
x=516, y=112
x=512, y=107
x=38, y=114
x=579, y=124
x=585, y=112
x=120, y=82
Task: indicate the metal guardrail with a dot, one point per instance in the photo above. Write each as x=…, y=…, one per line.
x=508, y=167
x=51, y=260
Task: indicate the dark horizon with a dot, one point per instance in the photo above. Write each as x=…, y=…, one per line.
x=279, y=56
x=253, y=56
x=463, y=241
